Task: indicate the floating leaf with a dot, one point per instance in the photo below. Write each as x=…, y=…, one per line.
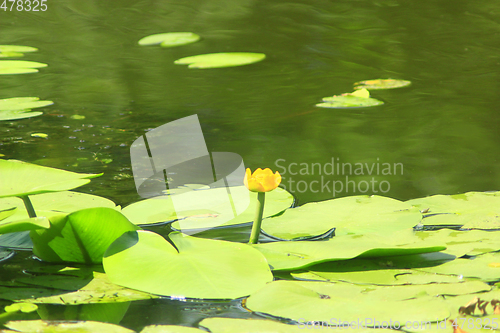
x=20, y=178
x=45, y=326
x=219, y=60
x=195, y=267
x=474, y=210
x=357, y=99
x=24, y=225
x=170, y=39
x=171, y=329
x=295, y=255
x=40, y=135
x=349, y=215
x=77, y=117
x=320, y=301
x=381, y=84
x=19, y=66
x=17, y=48
x=19, y=107
x=237, y=325
x=11, y=54
x=23, y=307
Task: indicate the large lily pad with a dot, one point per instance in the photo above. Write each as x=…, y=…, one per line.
x=20, y=178
x=195, y=267
x=81, y=237
x=320, y=301
x=295, y=255
x=357, y=99
x=19, y=66
x=20, y=107
x=43, y=326
x=349, y=215
x=381, y=84
x=24, y=225
x=471, y=210
x=161, y=209
x=220, y=60
x=170, y=39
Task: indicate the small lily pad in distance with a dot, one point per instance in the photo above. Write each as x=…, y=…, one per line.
x=220, y=60
x=17, y=48
x=170, y=39
x=40, y=135
x=47, y=326
x=381, y=84
x=19, y=66
x=20, y=107
x=11, y=54
x=23, y=307
x=358, y=99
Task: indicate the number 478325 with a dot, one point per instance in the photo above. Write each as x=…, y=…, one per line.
x=24, y=5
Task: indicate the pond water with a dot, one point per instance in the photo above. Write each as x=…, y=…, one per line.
x=442, y=130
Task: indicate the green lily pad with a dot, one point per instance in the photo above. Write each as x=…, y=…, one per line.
x=321, y=301
x=196, y=268
x=45, y=326
x=6, y=212
x=161, y=209
x=20, y=107
x=20, y=178
x=389, y=271
x=485, y=267
x=357, y=99
x=170, y=329
x=471, y=210
x=17, y=241
x=381, y=84
x=295, y=255
x=23, y=307
x=170, y=39
x=81, y=237
x=24, y=225
x=236, y=325
x=349, y=215
x=460, y=243
x=11, y=54
x=17, y=48
x=19, y=66
x=220, y=60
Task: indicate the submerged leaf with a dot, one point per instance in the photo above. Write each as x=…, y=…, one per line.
x=170, y=39
x=220, y=60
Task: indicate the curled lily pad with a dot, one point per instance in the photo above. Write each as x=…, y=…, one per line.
x=357, y=99
x=381, y=84
x=19, y=178
x=195, y=267
x=170, y=39
x=82, y=236
x=20, y=107
x=19, y=66
x=220, y=60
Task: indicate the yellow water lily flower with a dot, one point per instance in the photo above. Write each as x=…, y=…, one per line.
x=262, y=180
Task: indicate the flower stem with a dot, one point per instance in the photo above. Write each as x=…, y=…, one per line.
x=29, y=206
x=254, y=236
